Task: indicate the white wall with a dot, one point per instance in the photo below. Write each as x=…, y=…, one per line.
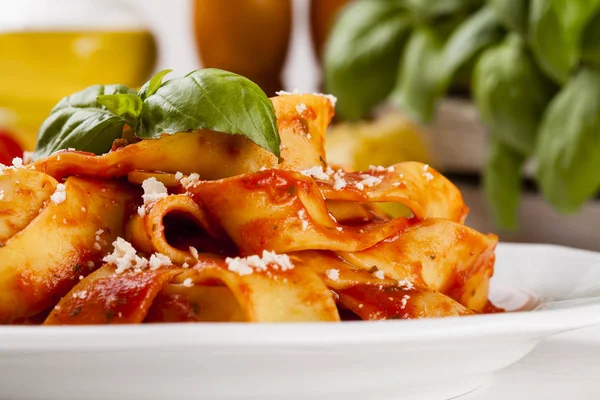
x=172, y=22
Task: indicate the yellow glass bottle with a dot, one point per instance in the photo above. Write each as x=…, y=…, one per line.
x=44, y=60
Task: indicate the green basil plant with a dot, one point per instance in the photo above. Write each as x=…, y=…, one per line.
x=534, y=73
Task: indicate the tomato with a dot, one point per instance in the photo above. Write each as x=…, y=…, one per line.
x=9, y=148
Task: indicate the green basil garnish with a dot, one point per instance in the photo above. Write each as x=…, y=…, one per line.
x=79, y=121
x=92, y=119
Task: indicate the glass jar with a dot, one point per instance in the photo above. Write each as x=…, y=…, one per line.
x=51, y=49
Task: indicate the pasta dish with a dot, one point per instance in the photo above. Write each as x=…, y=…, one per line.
x=201, y=225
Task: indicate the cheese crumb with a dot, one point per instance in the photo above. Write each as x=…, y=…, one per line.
x=153, y=190
x=141, y=211
x=405, y=284
x=333, y=274
x=80, y=277
x=158, y=260
x=59, y=194
x=125, y=257
x=369, y=181
x=194, y=252
x=316, y=172
x=17, y=162
x=178, y=176
x=188, y=282
x=379, y=274
x=190, y=180
x=185, y=265
x=329, y=97
x=284, y=93
x=247, y=265
x=339, y=228
x=80, y=295
x=302, y=216
x=300, y=108
x=404, y=301
x=428, y=175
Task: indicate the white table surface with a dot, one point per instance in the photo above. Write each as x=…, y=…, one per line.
x=563, y=367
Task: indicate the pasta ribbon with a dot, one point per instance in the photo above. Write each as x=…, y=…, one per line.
x=43, y=261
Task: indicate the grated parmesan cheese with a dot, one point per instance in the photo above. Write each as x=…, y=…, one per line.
x=141, y=211
x=284, y=93
x=59, y=194
x=158, y=260
x=370, y=181
x=178, y=176
x=405, y=284
x=185, y=265
x=194, y=252
x=302, y=216
x=125, y=257
x=329, y=97
x=379, y=274
x=300, y=108
x=247, y=265
x=428, y=175
x=190, y=180
x=17, y=162
x=404, y=301
x=153, y=190
x=333, y=274
x=188, y=282
x=316, y=172
x=80, y=295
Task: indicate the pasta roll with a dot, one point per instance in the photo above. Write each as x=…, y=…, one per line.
x=446, y=256
x=23, y=193
x=189, y=223
x=302, y=120
x=419, y=187
x=372, y=303
x=283, y=211
x=36, y=269
x=180, y=294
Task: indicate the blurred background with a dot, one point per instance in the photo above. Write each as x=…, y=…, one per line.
x=503, y=96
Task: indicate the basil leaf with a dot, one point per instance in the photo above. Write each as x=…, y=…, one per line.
x=153, y=84
x=211, y=99
x=502, y=183
x=567, y=153
x=555, y=33
x=128, y=106
x=429, y=10
x=511, y=94
x=590, y=42
x=362, y=55
x=421, y=81
x=479, y=31
x=79, y=122
x=514, y=14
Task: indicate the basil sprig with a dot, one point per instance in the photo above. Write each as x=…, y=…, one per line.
x=214, y=99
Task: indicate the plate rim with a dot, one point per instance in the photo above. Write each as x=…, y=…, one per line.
x=507, y=326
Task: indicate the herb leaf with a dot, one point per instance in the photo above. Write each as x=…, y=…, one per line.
x=511, y=94
x=514, y=14
x=78, y=121
x=153, y=84
x=362, y=55
x=476, y=33
x=128, y=106
x=211, y=99
x=421, y=80
x=502, y=183
x=567, y=153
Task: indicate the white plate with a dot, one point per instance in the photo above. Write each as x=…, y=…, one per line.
x=417, y=359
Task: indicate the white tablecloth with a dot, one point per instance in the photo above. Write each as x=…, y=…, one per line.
x=563, y=367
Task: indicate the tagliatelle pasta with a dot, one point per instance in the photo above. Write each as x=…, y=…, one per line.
x=208, y=227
